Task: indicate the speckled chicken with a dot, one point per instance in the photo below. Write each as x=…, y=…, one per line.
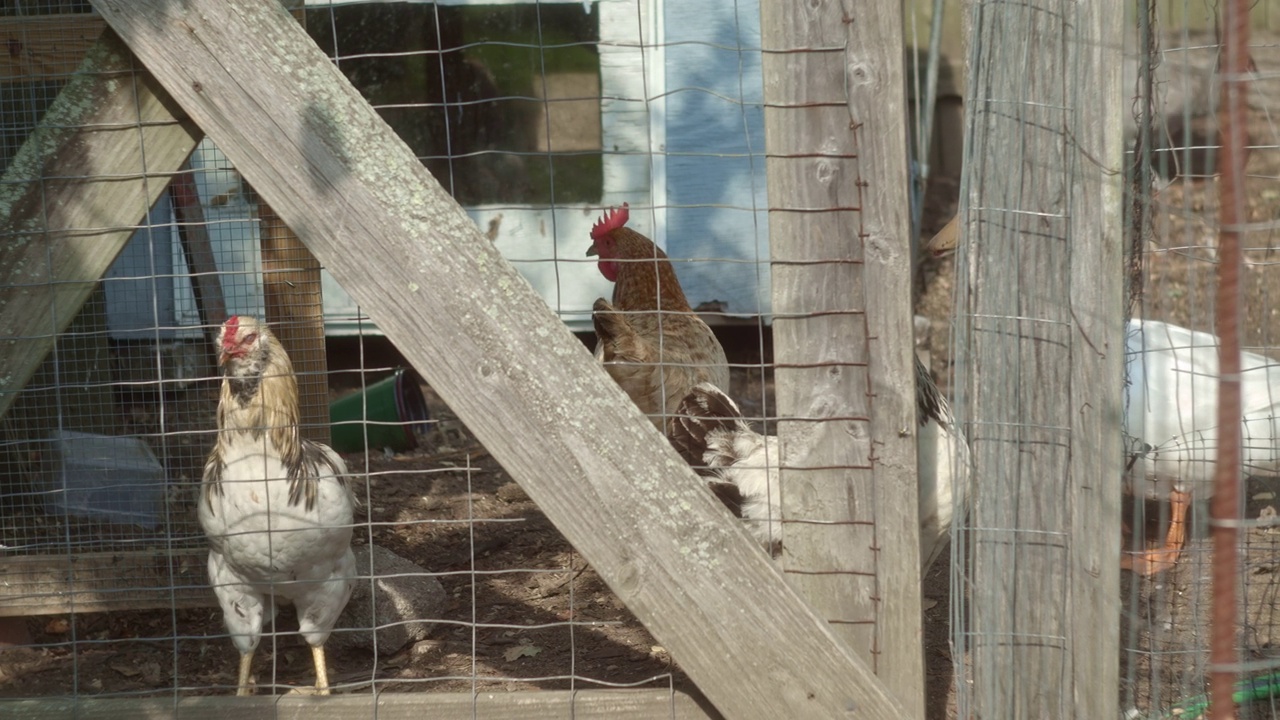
x=275, y=506
x=711, y=435
x=649, y=339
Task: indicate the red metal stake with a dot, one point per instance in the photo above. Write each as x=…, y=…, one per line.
x=1234, y=64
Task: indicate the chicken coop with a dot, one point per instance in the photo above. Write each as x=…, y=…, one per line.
x=419, y=200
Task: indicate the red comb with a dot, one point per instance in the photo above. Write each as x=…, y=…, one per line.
x=230, y=327
x=610, y=221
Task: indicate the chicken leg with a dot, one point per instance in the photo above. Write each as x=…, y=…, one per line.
x=1150, y=562
x=322, y=672
x=246, y=663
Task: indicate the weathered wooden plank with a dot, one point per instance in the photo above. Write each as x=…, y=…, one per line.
x=69, y=201
x=103, y=582
x=369, y=210
x=877, y=106
x=530, y=705
x=45, y=46
x=1039, y=356
x=839, y=231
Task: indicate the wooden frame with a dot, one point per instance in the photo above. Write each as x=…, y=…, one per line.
x=109, y=116
x=103, y=582
x=304, y=138
x=581, y=705
x=96, y=125
x=389, y=233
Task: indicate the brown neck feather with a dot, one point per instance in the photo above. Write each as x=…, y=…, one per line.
x=646, y=280
x=268, y=405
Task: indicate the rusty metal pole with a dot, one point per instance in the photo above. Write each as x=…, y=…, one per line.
x=1234, y=66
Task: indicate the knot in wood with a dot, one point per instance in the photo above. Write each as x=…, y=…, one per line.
x=860, y=74
x=824, y=171
x=629, y=579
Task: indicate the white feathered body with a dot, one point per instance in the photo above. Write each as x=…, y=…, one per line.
x=756, y=478
x=750, y=461
x=264, y=551
x=710, y=432
x=943, y=466
x=1171, y=406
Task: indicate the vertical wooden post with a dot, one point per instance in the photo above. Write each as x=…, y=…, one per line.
x=295, y=309
x=839, y=236
x=1039, y=354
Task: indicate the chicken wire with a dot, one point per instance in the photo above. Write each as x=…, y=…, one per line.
x=1172, y=216
x=67, y=487
x=1166, y=630
x=535, y=116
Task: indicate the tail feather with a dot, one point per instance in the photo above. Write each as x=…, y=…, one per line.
x=612, y=329
x=930, y=404
x=706, y=416
x=729, y=494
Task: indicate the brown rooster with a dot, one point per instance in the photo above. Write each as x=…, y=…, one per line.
x=275, y=506
x=649, y=339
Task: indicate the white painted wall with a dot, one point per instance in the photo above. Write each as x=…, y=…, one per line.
x=682, y=128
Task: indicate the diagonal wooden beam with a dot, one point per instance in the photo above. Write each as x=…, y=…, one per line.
x=368, y=209
x=72, y=196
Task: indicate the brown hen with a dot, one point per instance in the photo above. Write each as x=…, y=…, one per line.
x=649, y=339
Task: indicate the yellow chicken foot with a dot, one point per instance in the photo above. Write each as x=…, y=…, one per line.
x=1156, y=561
x=322, y=672
x=246, y=662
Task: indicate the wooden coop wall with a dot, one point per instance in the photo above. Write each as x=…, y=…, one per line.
x=841, y=632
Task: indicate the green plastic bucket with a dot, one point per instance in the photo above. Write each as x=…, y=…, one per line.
x=390, y=413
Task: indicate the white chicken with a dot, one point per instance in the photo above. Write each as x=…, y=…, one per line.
x=1171, y=406
x=1171, y=417
x=275, y=506
x=709, y=432
x=942, y=468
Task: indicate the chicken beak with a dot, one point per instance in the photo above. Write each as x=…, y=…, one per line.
x=591, y=251
x=222, y=358
x=946, y=241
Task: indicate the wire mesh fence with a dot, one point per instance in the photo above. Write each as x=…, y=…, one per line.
x=1172, y=181
x=538, y=116
x=535, y=116
x=1168, y=626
